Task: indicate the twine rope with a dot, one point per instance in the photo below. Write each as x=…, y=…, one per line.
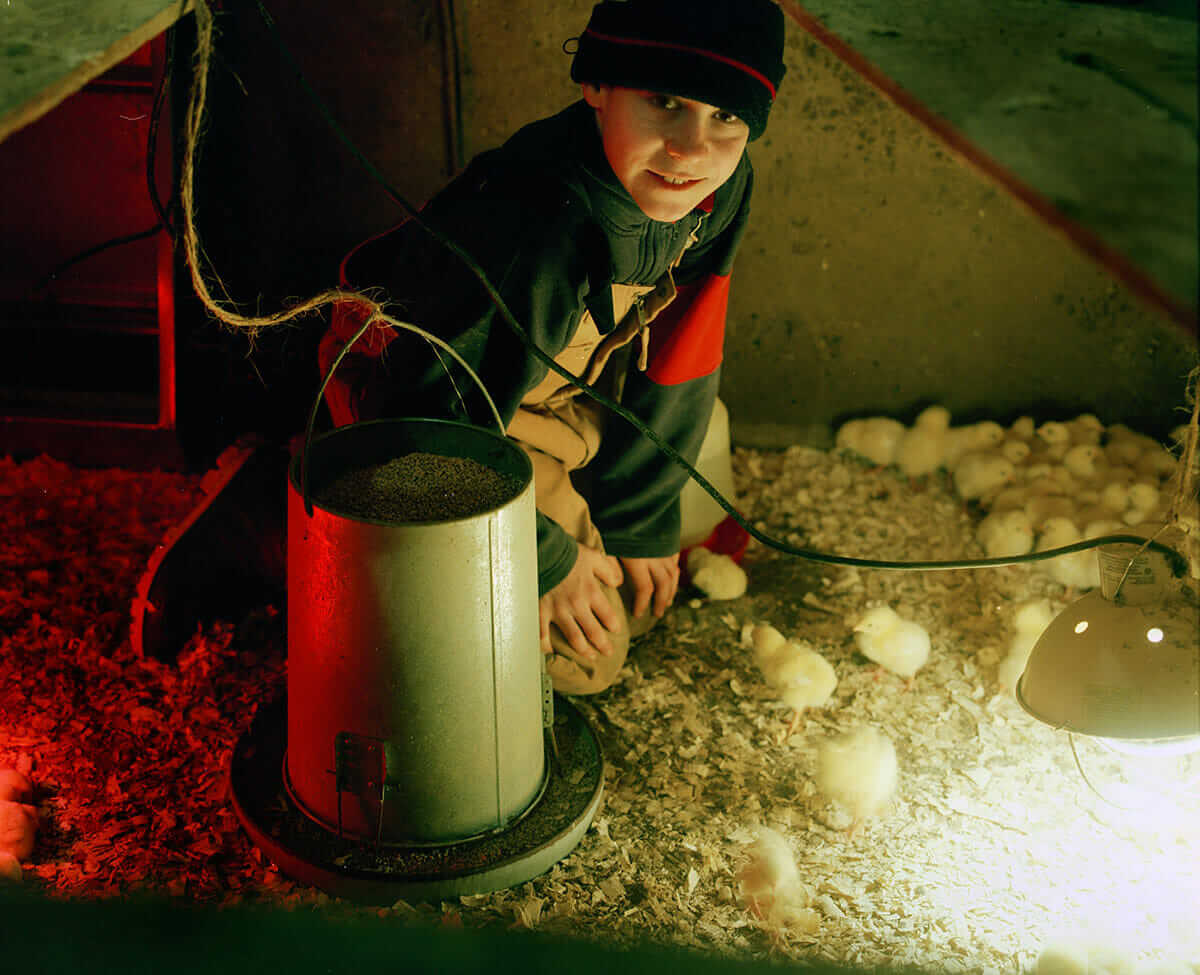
x=374, y=312
x=1183, y=512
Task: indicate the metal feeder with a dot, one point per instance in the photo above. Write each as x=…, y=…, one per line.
x=423, y=757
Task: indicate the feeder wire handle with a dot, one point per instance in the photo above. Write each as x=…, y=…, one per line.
x=377, y=315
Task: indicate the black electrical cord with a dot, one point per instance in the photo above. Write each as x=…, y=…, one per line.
x=161, y=210
x=1179, y=565
x=452, y=73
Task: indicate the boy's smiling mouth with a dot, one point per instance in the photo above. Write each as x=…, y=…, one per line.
x=673, y=180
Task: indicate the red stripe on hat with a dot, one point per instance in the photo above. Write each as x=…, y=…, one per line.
x=712, y=56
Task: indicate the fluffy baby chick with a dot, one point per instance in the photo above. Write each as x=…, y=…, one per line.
x=858, y=770
x=1103, y=526
x=923, y=445
x=1051, y=440
x=982, y=472
x=1053, y=432
x=1085, y=958
x=1006, y=532
x=1016, y=451
x=801, y=676
x=1141, y=502
x=1040, y=508
x=985, y=435
x=1050, y=479
x=1022, y=428
x=1011, y=498
x=872, y=437
x=1075, y=570
x=1119, y=474
x=1037, y=470
x=1124, y=445
x=1156, y=462
x=1109, y=503
x=1085, y=461
x=892, y=642
x=769, y=883
x=1029, y=622
x=717, y=576
x=1085, y=428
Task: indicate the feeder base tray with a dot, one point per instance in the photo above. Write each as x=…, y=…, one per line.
x=348, y=867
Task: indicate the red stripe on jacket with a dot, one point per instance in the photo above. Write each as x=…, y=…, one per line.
x=687, y=338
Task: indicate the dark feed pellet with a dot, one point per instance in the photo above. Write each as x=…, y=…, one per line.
x=419, y=487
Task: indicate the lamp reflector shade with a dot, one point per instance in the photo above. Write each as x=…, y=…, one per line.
x=1111, y=669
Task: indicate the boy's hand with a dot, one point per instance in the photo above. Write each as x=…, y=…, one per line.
x=657, y=578
x=579, y=606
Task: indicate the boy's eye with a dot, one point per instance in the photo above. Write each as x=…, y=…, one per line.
x=667, y=102
x=722, y=116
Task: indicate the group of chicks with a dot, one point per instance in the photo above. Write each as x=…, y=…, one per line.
x=858, y=769
x=1042, y=485
x=18, y=820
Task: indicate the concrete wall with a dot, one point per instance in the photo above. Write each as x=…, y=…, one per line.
x=880, y=273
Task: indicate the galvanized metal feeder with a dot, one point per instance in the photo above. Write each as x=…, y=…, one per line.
x=420, y=754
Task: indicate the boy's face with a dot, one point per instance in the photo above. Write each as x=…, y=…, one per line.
x=668, y=152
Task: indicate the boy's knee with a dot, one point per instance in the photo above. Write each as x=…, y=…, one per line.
x=573, y=673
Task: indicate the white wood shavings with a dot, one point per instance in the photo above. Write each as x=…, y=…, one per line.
x=993, y=847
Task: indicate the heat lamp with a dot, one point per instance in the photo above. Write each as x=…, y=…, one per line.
x=1122, y=663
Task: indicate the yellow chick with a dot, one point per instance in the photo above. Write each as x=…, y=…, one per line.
x=1109, y=503
x=802, y=677
x=1040, y=508
x=1075, y=570
x=1082, y=958
x=1022, y=428
x=1016, y=451
x=1006, y=532
x=1156, y=462
x=1085, y=461
x=1051, y=440
x=1125, y=445
x=1085, y=428
x=1119, y=474
x=982, y=472
x=858, y=771
x=1101, y=527
x=1029, y=622
x=1037, y=470
x=1011, y=498
x=715, y=574
x=770, y=885
x=1141, y=503
x=923, y=445
x=872, y=437
x=984, y=435
x=892, y=642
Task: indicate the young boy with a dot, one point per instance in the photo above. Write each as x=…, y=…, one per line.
x=623, y=210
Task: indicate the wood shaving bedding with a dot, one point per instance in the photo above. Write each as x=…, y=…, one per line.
x=994, y=846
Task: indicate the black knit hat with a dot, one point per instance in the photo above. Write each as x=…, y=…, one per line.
x=727, y=53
